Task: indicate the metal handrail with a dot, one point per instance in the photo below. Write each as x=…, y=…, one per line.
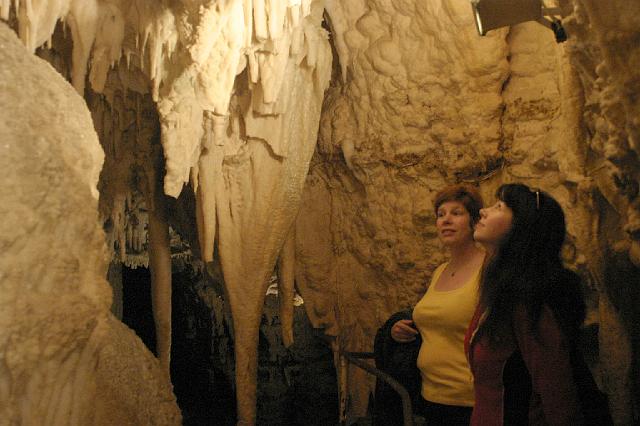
x=356, y=359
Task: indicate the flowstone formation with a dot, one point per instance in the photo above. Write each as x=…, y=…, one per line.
x=64, y=358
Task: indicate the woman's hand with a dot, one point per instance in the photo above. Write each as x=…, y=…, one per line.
x=403, y=331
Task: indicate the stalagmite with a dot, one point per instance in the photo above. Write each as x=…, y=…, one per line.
x=286, y=290
x=160, y=268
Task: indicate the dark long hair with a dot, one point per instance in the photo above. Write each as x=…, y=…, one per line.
x=527, y=269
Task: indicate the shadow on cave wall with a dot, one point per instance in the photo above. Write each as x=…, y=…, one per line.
x=296, y=386
x=622, y=282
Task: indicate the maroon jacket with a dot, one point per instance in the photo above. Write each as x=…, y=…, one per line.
x=526, y=380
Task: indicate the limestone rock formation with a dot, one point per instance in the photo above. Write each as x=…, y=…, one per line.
x=65, y=360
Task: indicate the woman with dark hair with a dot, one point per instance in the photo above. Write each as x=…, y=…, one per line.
x=442, y=316
x=522, y=340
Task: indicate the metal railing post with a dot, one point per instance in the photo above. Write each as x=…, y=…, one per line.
x=356, y=359
x=343, y=387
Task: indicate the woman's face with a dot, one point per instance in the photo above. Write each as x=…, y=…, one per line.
x=453, y=223
x=494, y=225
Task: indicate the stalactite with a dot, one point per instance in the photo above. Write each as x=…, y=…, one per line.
x=219, y=57
x=211, y=164
x=5, y=8
x=258, y=196
x=107, y=47
x=339, y=27
x=248, y=21
x=37, y=21
x=83, y=21
x=260, y=20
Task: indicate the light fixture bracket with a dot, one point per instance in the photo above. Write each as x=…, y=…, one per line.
x=492, y=14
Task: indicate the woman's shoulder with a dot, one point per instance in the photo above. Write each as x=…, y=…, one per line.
x=562, y=302
x=566, y=300
x=437, y=272
x=564, y=292
x=440, y=267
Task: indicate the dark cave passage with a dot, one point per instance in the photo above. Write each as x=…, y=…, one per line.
x=296, y=386
x=204, y=393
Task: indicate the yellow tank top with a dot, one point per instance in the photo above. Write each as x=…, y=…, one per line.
x=442, y=317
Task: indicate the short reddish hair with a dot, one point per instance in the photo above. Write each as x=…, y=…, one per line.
x=465, y=194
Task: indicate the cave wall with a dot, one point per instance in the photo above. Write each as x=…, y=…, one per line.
x=425, y=102
x=606, y=56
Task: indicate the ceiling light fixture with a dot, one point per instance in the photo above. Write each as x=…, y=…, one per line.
x=492, y=14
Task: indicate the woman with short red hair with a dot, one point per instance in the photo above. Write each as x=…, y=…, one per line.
x=442, y=316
